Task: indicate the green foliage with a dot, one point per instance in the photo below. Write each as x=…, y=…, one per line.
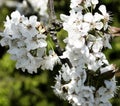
x=61, y=36
x=22, y=89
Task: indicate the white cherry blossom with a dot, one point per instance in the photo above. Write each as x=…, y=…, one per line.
x=49, y=61
x=75, y=3
x=24, y=41
x=84, y=45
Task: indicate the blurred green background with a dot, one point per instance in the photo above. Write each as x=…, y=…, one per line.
x=22, y=89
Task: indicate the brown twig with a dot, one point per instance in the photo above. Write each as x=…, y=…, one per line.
x=51, y=11
x=115, y=31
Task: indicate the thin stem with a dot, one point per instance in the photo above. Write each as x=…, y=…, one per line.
x=51, y=11
x=54, y=24
x=29, y=4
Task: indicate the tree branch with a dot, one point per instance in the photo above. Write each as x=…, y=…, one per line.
x=54, y=26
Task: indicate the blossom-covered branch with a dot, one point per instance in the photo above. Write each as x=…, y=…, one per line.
x=91, y=81
x=85, y=78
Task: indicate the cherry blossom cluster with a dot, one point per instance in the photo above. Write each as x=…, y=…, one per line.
x=84, y=83
x=27, y=43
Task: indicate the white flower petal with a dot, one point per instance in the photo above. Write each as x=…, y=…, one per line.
x=102, y=9
x=88, y=17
